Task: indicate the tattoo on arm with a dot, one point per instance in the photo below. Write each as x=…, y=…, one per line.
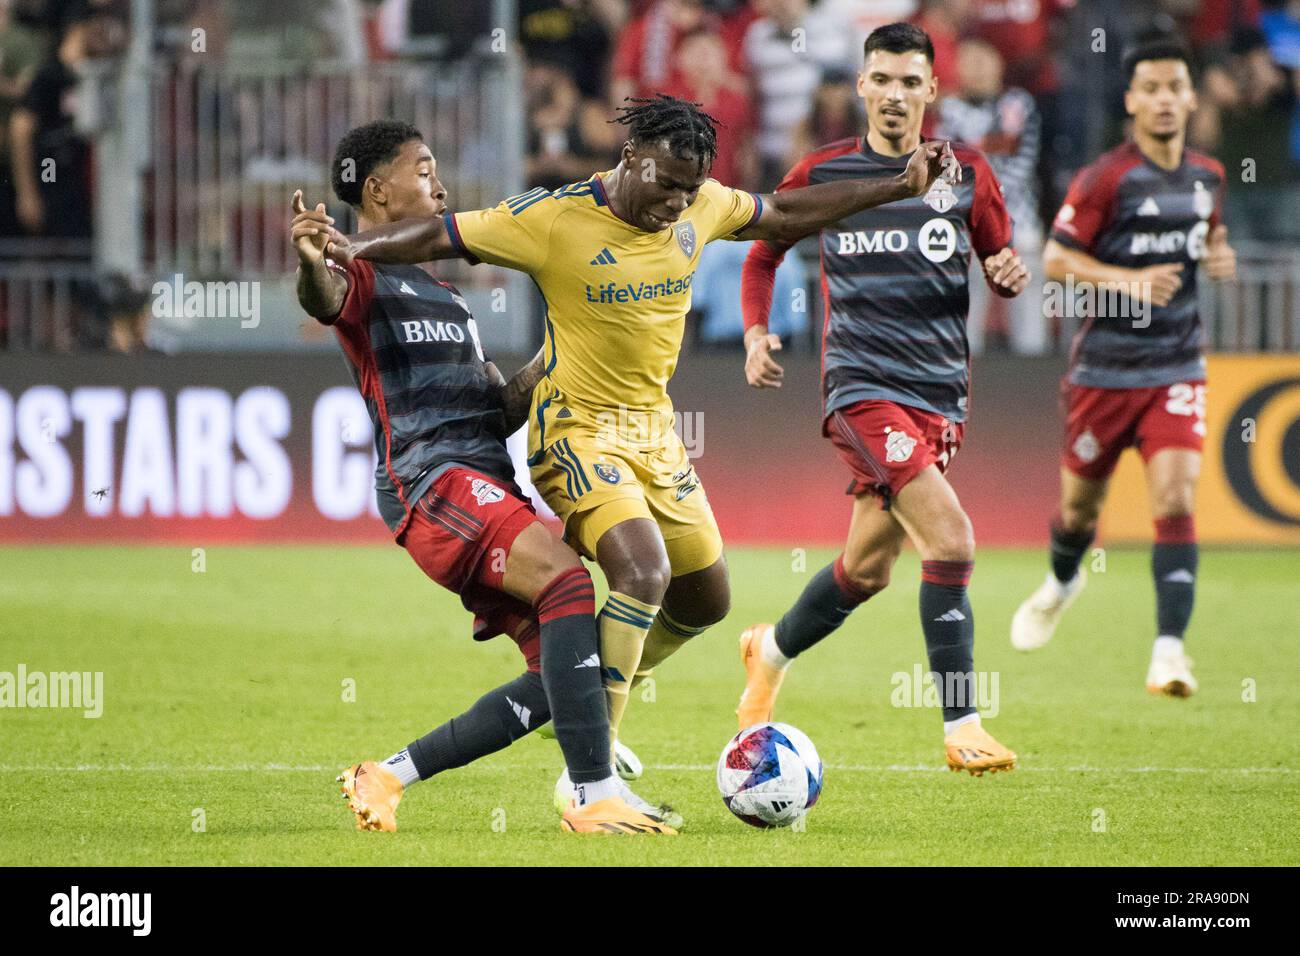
x=517, y=394
x=321, y=290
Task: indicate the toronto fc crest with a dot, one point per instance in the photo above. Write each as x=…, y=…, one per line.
x=899, y=446
x=1086, y=447
x=941, y=197
x=486, y=493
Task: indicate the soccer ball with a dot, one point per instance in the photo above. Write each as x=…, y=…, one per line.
x=770, y=775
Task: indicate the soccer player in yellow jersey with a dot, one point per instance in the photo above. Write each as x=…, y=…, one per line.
x=614, y=257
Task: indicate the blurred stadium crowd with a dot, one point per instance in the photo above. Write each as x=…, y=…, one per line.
x=1035, y=84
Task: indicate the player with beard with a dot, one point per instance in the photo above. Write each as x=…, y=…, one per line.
x=895, y=365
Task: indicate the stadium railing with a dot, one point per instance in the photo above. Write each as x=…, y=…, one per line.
x=231, y=144
x=1260, y=312
x=227, y=146
x=44, y=293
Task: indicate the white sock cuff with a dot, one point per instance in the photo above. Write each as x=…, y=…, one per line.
x=1063, y=588
x=950, y=725
x=401, y=766
x=1166, y=644
x=772, y=655
x=595, y=791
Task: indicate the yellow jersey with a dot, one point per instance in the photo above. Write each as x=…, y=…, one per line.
x=616, y=295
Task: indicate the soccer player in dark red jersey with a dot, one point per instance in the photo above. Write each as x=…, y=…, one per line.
x=1138, y=222
x=895, y=365
x=445, y=485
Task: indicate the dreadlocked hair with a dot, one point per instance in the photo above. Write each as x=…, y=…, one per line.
x=687, y=129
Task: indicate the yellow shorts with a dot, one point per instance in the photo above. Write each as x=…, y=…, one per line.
x=593, y=478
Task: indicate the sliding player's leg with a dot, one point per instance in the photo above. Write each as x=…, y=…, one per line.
x=928, y=509
x=1172, y=474
x=489, y=546
x=600, y=801
x=543, y=571
x=496, y=720
x=861, y=571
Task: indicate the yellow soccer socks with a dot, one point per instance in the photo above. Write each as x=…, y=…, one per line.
x=666, y=638
x=624, y=623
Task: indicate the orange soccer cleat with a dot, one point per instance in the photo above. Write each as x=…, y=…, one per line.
x=611, y=816
x=970, y=747
x=373, y=794
x=762, y=680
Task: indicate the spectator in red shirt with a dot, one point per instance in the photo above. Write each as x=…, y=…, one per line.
x=703, y=77
x=942, y=20
x=1215, y=21
x=646, y=56
x=1021, y=30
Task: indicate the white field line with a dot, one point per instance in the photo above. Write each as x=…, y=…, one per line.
x=834, y=768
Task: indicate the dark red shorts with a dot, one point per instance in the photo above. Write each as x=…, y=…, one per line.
x=886, y=445
x=1101, y=422
x=459, y=534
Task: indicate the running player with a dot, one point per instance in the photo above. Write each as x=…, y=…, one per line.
x=614, y=257
x=894, y=385
x=1139, y=219
x=441, y=415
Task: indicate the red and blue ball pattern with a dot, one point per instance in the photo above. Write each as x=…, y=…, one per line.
x=770, y=775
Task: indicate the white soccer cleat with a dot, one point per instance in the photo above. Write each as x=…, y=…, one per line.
x=1170, y=674
x=626, y=764
x=1036, y=619
x=563, y=793
x=563, y=796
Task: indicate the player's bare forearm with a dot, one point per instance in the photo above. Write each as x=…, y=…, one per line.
x=517, y=394
x=794, y=213
x=321, y=291
x=404, y=242
x=1061, y=262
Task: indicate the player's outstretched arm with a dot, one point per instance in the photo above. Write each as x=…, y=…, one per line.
x=1154, y=284
x=321, y=290
x=404, y=242
x=791, y=214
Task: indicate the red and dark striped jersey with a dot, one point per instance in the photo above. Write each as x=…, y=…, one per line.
x=1125, y=210
x=895, y=281
x=413, y=349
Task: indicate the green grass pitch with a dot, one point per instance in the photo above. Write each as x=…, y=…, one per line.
x=224, y=693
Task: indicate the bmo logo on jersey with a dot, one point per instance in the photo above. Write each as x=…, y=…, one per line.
x=1167, y=243
x=419, y=331
x=427, y=330
x=937, y=241
x=860, y=243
